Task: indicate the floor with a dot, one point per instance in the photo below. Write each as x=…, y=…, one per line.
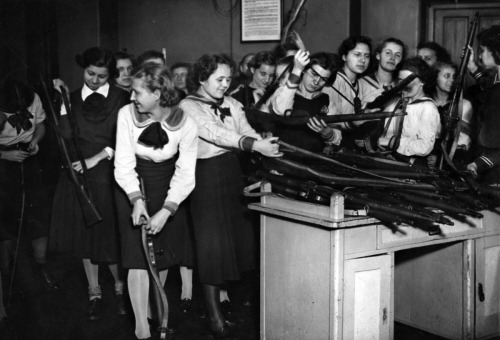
x=36, y=314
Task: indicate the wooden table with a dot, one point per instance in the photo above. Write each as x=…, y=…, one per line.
x=328, y=276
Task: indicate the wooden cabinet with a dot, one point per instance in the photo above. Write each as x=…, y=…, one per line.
x=368, y=291
x=327, y=276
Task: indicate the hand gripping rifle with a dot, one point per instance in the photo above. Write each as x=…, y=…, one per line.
x=451, y=128
x=89, y=211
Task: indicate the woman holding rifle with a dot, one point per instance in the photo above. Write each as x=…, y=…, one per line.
x=94, y=109
x=158, y=142
x=486, y=164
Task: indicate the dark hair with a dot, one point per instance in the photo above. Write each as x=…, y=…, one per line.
x=148, y=55
x=119, y=55
x=490, y=38
x=15, y=96
x=157, y=77
x=179, y=65
x=98, y=57
x=441, y=53
x=430, y=86
x=246, y=56
x=261, y=58
x=208, y=64
x=351, y=42
x=417, y=66
x=328, y=61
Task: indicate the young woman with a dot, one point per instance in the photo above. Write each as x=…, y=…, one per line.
x=224, y=238
x=388, y=55
x=432, y=52
x=124, y=65
x=411, y=138
x=22, y=130
x=444, y=75
x=303, y=92
x=262, y=67
x=488, y=145
x=95, y=109
x=157, y=142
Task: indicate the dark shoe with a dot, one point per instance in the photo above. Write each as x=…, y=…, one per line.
x=186, y=306
x=202, y=311
x=94, y=310
x=120, y=305
x=223, y=332
x=47, y=279
x=227, y=309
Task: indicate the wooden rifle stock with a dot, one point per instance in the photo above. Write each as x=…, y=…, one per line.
x=301, y=117
x=158, y=292
x=387, y=95
x=90, y=213
x=453, y=116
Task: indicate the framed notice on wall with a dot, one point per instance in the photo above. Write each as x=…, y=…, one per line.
x=260, y=20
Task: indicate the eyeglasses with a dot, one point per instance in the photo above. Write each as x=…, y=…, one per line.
x=316, y=76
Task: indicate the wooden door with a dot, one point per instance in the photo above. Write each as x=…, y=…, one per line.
x=487, y=287
x=448, y=24
x=368, y=293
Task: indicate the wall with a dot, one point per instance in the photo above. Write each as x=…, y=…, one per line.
x=12, y=40
x=190, y=28
x=392, y=18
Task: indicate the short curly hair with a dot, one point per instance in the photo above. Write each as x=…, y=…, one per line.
x=208, y=64
x=98, y=57
x=441, y=53
x=157, y=77
x=264, y=57
x=417, y=66
x=351, y=42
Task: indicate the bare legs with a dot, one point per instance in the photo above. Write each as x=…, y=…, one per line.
x=138, y=288
x=187, y=282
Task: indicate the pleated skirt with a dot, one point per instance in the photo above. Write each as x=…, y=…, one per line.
x=224, y=236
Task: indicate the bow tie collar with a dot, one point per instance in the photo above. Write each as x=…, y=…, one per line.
x=154, y=136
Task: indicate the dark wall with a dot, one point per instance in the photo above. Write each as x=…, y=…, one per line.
x=190, y=28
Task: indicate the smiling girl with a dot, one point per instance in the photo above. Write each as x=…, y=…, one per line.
x=224, y=237
x=95, y=108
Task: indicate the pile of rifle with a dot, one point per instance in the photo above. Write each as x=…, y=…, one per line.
x=391, y=191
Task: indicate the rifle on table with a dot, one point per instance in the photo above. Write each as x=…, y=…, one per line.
x=451, y=127
x=90, y=213
x=394, y=211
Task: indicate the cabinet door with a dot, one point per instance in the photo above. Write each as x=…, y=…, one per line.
x=368, y=294
x=487, y=287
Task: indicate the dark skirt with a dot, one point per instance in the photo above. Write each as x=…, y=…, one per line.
x=225, y=239
x=69, y=233
x=173, y=245
x=15, y=178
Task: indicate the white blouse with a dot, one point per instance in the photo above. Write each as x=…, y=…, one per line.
x=217, y=136
x=182, y=138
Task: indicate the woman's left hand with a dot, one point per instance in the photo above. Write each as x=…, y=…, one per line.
x=156, y=223
x=33, y=147
x=89, y=162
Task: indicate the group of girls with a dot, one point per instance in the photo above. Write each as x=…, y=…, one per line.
x=188, y=148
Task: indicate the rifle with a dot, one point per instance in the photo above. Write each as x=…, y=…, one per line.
x=351, y=198
x=271, y=89
x=301, y=117
x=387, y=95
x=454, y=115
x=90, y=213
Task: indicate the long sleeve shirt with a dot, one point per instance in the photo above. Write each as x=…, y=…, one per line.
x=420, y=127
x=284, y=99
x=9, y=135
x=218, y=135
x=183, y=139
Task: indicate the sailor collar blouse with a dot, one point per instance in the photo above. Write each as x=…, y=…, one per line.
x=182, y=139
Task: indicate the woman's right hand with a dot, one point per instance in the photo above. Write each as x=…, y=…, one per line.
x=300, y=61
x=472, y=65
x=140, y=213
x=268, y=147
x=15, y=155
x=58, y=83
